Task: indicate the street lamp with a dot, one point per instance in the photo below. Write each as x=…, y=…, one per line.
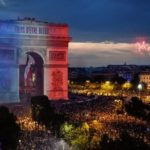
x=140, y=88
x=87, y=81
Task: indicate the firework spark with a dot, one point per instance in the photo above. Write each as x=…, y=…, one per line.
x=142, y=47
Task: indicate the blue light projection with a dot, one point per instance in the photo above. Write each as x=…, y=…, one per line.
x=9, y=71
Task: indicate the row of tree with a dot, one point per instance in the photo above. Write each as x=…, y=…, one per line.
x=116, y=78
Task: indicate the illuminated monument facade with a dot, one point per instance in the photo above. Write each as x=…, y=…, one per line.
x=33, y=59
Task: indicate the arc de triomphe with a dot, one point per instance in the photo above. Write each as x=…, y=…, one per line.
x=33, y=59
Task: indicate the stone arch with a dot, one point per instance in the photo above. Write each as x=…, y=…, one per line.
x=24, y=52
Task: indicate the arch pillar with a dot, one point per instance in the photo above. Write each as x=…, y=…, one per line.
x=56, y=81
x=9, y=74
x=56, y=68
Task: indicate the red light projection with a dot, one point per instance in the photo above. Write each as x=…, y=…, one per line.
x=57, y=72
x=57, y=55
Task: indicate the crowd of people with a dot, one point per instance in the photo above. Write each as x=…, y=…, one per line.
x=101, y=109
x=37, y=137
x=80, y=109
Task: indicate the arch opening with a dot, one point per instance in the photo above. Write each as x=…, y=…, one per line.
x=31, y=76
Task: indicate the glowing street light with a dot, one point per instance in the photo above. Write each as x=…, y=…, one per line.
x=107, y=82
x=87, y=81
x=140, y=87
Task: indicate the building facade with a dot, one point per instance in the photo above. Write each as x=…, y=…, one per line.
x=145, y=78
x=33, y=59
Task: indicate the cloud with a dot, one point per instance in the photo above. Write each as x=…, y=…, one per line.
x=85, y=47
x=104, y=53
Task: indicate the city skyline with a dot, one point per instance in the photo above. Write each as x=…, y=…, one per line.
x=103, y=32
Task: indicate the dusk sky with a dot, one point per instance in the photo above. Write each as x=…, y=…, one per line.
x=103, y=31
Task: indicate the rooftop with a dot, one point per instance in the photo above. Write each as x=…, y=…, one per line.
x=34, y=21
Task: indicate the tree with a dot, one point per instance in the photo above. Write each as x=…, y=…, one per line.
x=125, y=142
x=9, y=129
x=107, y=86
x=56, y=122
x=135, y=81
x=126, y=86
x=137, y=108
x=105, y=143
x=119, y=80
x=42, y=111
